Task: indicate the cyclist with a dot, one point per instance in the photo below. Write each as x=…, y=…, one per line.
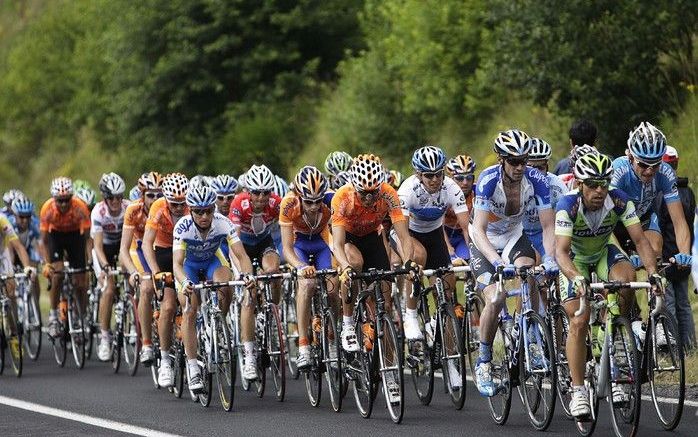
x=225, y=187
x=26, y=225
x=7, y=199
x=255, y=211
x=538, y=158
x=280, y=189
x=502, y=196
x=424, y=198
x=196, y=255
x=462, y=170
x=304, y=233
x=335, y=163
x=83, y=191
x=64, y=223
x=394, y=178
x=132, y=257
x=107, y=222
x=157, y=249
x=568, y=179
x=584, y=223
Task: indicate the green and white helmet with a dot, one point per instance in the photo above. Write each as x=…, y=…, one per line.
x=593, y=165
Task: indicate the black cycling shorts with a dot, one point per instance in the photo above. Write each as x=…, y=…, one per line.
x=435, y=245
x=73, y=244
x=484, y=271
x=163, y=255
x=372, y=250
x=257, y=251
x=111, y=251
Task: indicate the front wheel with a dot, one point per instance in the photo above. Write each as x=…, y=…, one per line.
x=452, y=357
x=332, y=360
x=32, y=329
x=290, y=324
x=624, y=394
x=391, y=370
x=471, y=328
x=500, y=403
x=77, y=333
x=420, y=359
x=275, y=349
x=226, y=366
x=537, y=373
x=361, y=366
x=205, y=352
x=131, y=344
x=665, y=363
x=559, y=328
x=13, y=341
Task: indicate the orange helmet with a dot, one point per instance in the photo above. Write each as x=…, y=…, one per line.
x=461, y=164
x=310, y=183
x=150, y=181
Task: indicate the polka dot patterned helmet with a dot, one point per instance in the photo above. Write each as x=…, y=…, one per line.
x=61, y=187
x=367, y=172
x=175, y=186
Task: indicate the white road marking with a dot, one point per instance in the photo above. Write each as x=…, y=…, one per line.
x=83, y=418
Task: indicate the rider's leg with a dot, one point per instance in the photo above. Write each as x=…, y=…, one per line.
x=145, y=311
x=189, y=324
x=270, y=264
x=168, y=308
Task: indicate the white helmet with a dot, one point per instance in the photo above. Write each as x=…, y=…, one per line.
x=512, y=142
x=280, y=186
x=540, y=149
x=647, y=143
x=367, y=173
x=111, y=184
x=61, y=186
x=259, y=178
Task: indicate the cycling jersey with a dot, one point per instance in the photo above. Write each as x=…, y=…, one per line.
x=161, y=220
x=29, y=236
x=75, y=219
x=254, y=227
x=569, y=181
x=8, y=235
x=532, y=226
x=591, y=230
x=292, y=215
x=135, y=218
x=490, y=197
x=643, y=194
x=188, y=237
x=425, y=210
x=110, y=225
x=356, y=219
x=450, y=219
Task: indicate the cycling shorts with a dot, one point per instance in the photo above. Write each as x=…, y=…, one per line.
x=111, y=252
x=611, y=255
x=457, y=240
x=259, y=250
x=315, y=245
x=198, y=271
x=163, y=256
x=435, y=247
x=649, y=222
x=71, y=243
x=484, y=271
x=139, y=259
x=536, y=240
x=372, y=250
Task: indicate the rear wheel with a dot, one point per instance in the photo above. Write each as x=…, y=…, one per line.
x=624, y=378
x=471, y=328
x=334, y=373
x=77, y=333
x=290, y=325
x=362, y=372
x=178, y=367
x=666, y=369
x=203, y=357
x=559, y=328
x=32, y=330
x=14, y=342
x=500, y=403
x=586, y=426
x=131, y=343
x=537, y=373
x=275, y=349
x=391, y=369
x=453, y=357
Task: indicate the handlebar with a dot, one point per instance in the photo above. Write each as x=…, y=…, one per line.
x=272, y=276
x=217, y=285
x=445, y=270
x=613, y=286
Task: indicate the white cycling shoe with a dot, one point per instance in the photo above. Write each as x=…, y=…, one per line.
x=579, y=405
x=412, y=331
x=350, y=343
x=249, y=369
x=194, y=379
x=104, y=349
x=304, y=359
x=165, y=375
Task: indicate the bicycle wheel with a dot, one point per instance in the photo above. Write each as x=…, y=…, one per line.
x=204, y=355
x=3, y=345
x=226, y=365
x=77, y=332
x=391, y=368
x=559, y=324
x=60, y=344
x=625, y=375
x=471, y=329
x=262, y=354
x=131, y=343
x=234, y=323
x=665, y=365
x=587, y=425
x=290, y=324
x=334, y=374
x=452, y=357
x=538, y=373
x=155, y=366
x=420, y=360
x=116, y=344
x=275, y=350
x=32, y=330
x=500, y=403
x=362, y=371
x=91, y=321
x=178, y=367
x=12, y=342
x=313, y=375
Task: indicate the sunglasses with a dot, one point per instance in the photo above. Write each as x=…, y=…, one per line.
x=226, y=197
x=433, y=174
x=153, y=195
x=202, y=211
x=516, y=162
x=368, y=194
x=312, y=202
x=462, y=177
x=176, y=204
x=593, y=184
x=63, y=200
x=24, y=216
x=113, y=197
x=260, y=192
x=645, y=165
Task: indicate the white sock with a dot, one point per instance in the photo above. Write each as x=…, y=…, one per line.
x=249, y=348
x=193, y=365
x=105, y=333
x=347, y=321
x=302, y=349
x=411, y=313
x=52, y=314
x=165, y=358
x=580, y=388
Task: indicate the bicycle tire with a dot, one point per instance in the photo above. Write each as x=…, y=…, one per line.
x=334, y=373
x=545, y=397
x=262, y=357
x=420, y=359
x=586, y=426
x=203, y=358
x=131, y=337
x=289, y=320
x=226, y=366
x=60, y=344
x=117, y=342
x=624, y=420
x=363, y=385
x=471, y=337
x=313, y=375
x=672, y=353
x=388, y=344
x=91, y=321
x=32, y=332
x=3, y=346
x=178, y=367
x=155, y=339
x=559, y=323
x=500, y=403
x=16, y=356
x=76, y=332
x=452, y=354
x=277, y=356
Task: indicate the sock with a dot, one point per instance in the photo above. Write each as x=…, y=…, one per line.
x=580, y=388
x=104, y=333
x=147, y=343
x=411, y=313
x=347, y=321
x=302, y=349
x=52, y=314
x=193, y=365
x=165, y=358
x=249, y=348
x=485, y=352
x=303, y=342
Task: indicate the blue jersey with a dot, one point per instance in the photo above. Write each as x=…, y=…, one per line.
x=644, y=194
x=28, y=237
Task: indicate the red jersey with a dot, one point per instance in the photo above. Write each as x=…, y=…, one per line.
x=254, y=227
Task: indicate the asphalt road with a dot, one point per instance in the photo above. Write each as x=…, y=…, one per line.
x=116, y=401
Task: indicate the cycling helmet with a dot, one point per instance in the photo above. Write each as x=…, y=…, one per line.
x=280, y=186
x=461, y=164
x=593, y=166
x=88, y=196
x=174, y=187
x=198, y=181
x=647, y=143
x=367, y=172
x=201, y=197
x=310, y=183
x=224, y=184
x=394, y=178
x=540, y=149
x=579, y=151
x=81, y=183
x=150, y=181
x=111, y=184
x=342, y=178
x=21, y=205
x=428, y=159
x=259, y=178
x=241, y=181
x=11, y=195
x=337, y=162
x=61, y=187
x=134, y=193
x=512, y=142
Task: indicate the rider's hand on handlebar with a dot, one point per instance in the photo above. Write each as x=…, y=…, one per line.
x=550, y=265
x=457, y=261
x=47, y=271
x=414, y=268
x=508, y=270
x=132, y=278
x=658, y=283
x=346, y=274
x=164, y=278
x=187, y=286
x=250, y=281
x=307, y=272
x=683, y=260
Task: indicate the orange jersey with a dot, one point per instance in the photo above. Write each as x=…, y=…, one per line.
x=292, y=215
x=135, y=218
x=160, y=219
x=450, y=220
x=76, y=219
x=356, y=219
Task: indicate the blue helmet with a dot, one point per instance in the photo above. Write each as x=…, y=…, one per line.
x=21, y=205
x=135, y=193
x=201, y=197
x=428, y=159
x=647, y=143
x=224, y=184
x=280, y=186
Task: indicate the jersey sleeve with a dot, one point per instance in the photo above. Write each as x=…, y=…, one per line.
x=232, y=236
x=235, y=214
x=564, y=217
x=404, y=194
x=393, y=202
x=8, y=230
x=129, y=222
x=96, y=218
x=44, y=215
x=154, y=215
x=180, y=228
x=340, y=207
x=456, y=198
x=485, y=187
x=288, y=206
x=629, y=215
x=541, y=188
x=668, y=184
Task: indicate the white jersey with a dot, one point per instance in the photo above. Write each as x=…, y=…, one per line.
x=187, y=237
x=557, y=190
x=110, y=225
x=426, y=211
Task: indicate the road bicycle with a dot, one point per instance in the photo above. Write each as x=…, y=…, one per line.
x=10, y=330
x=125, y=328
x=72, y=328
x=290, y=322
x=28, y=315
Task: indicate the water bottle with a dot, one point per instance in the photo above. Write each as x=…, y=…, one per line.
x=260, y=321
x=199, y=321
